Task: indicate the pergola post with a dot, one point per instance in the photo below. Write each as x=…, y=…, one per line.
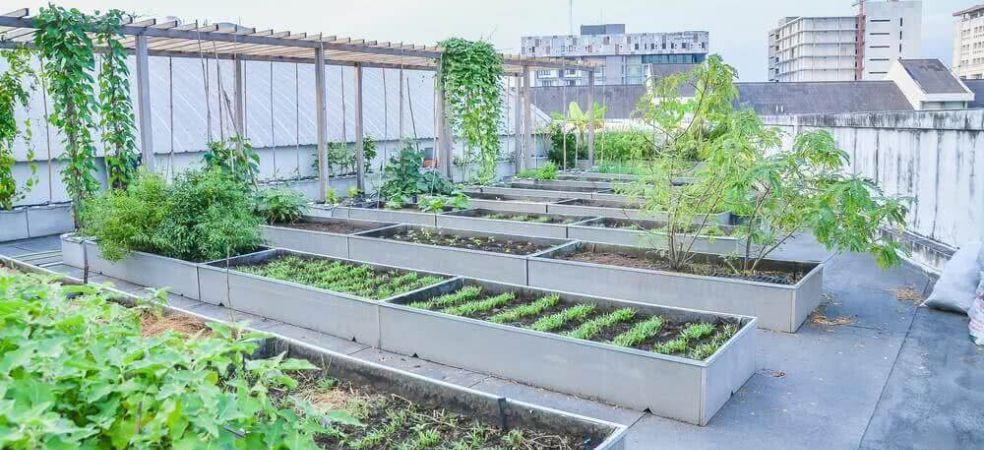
x=143, y=104
x=591, y=119
x=322, y=121
x=240, y=112
x=443, y=133
x=360, y=149
x=518, y=128
x=529, y=143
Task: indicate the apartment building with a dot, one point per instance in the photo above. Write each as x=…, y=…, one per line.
x=625, y=58
x=968, y=43
x=846, y=48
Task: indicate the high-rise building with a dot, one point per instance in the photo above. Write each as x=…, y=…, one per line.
x=625, y=58
x=968, y=43
x=846, y=48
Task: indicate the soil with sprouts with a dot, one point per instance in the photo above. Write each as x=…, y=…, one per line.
x=531, y=218
x=484, y=243
x=625, y=327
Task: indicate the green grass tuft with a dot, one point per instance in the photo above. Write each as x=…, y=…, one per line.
x=477, y=306
x=462, y=295
x=557, y=321
x=529, y=309
x=639, y=332
x=589, y=329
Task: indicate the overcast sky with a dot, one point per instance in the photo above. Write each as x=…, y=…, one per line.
x=738, y=29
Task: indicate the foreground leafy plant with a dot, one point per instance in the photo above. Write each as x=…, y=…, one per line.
x=85, y=377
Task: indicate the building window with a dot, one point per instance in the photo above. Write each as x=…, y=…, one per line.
x=881, y=20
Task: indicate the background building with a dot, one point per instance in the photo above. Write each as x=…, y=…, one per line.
x=847, y=48
x=627, y=58
x=968, y=43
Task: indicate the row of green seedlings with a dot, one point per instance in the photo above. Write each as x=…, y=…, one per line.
x=338, y=276
x=696, y=340
x=392, y=422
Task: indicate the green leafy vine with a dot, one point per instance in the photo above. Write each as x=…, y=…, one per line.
x=16, y=85
x=115, y=107
x=68, y=63
x=470, y=74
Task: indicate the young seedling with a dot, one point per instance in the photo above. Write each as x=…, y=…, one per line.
x=462, y=295
x=689, y=334
x=529, y=309
x=475, y=307
x=639, y=332
x=704, y=351
x=589, y=329
x=557, y=321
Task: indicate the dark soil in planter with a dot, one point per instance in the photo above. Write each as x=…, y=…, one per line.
x=484, y=243
x=654, y=262
x=330, y=226
x=630, y=329
x=531, y=218
x=393, y=422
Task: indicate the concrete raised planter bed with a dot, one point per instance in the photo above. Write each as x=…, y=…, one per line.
x=562, y=185
x=668, y=386
x=616, y=210
x=147, y=269
x=511, y=203
x=35, y=221
x=378, y=213
x=375, y=247
x=778, y=307
x=596, y=176
x=335, y=313
x=312, y=241
x=556, y=194
x=616, y=231
x=477, y=220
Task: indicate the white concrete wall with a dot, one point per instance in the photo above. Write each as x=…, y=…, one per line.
x=893, y=30
x=937, y=158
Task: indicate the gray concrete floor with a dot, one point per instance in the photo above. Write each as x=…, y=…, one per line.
x=869, y=370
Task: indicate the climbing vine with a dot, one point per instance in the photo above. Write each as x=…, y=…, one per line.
x=115, y=107
x=16, y=85
x=68, y=63
x=470, y=74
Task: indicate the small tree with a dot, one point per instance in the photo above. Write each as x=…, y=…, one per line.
x=776, y=195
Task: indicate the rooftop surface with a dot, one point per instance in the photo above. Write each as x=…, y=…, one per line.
x=869, y=370
x=933, y=76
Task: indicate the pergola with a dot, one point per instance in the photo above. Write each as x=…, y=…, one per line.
x=173, y=38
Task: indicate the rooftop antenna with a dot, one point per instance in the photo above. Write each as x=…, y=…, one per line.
x=570, y=17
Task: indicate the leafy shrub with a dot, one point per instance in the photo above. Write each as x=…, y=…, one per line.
x=556, y=152
x=404, y=180
x=85, y=377
x=203, y=215
x=548, y=171
x=127, y=220
x=623, y=146
x=235, y=157
x=280, y=205
x=209, y=216
x=438, y=203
